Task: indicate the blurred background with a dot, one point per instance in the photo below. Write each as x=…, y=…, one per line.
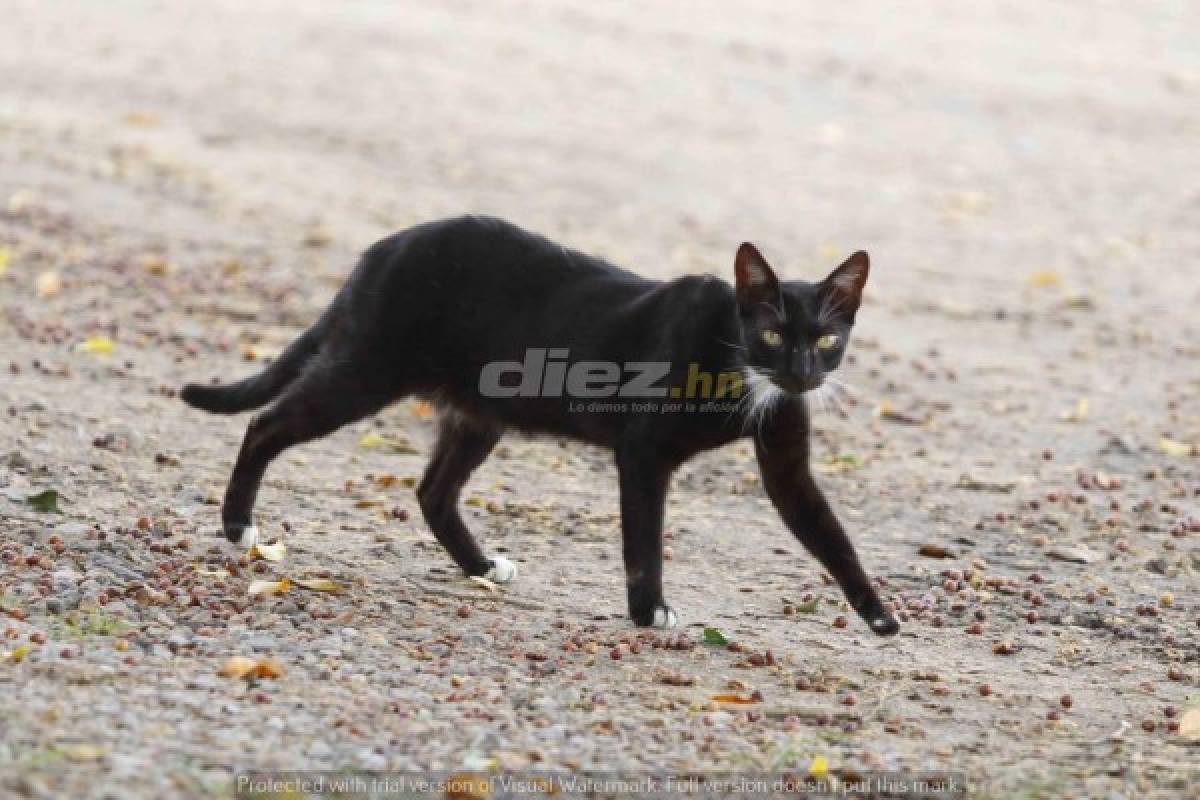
x=936, y=134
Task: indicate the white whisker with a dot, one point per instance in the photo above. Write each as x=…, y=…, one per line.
x=734, y=346
x=759, y=399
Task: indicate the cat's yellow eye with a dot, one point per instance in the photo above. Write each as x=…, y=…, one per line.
x=828, y=341
x=772, y=338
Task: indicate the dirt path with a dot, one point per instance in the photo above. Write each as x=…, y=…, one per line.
x=193, y=186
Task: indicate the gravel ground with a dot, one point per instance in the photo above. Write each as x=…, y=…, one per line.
x=182, y=191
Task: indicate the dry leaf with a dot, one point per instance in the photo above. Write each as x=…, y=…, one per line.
x=368, y=503
x=373, y=441
x=317, y=236
x=142, y=119
x=1189, y=724
x=269, y=552
x=268, y=668
x=155, y=264
x=1043, y=279
x=468, y=786
x=269, y=587
x=935, y=551
x=1079, y=413
x=484, y=582
x=733, y=698
x=82, y=752
x=48, y=284
x=886, y=411
x=318, y=584
x=422, y=410
x=97, y=345
x=1176, y=448
x=829, y=251
x=237, y=667
x=145, y=596
x=243, y=667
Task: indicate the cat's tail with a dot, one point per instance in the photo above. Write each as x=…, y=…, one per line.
x=260, y=389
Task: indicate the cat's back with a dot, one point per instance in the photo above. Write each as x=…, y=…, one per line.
x=485, y=250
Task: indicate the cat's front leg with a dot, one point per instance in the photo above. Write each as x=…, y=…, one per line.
x=643, y=483
x=782, y=449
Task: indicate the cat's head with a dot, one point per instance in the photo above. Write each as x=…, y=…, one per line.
x=795, y=332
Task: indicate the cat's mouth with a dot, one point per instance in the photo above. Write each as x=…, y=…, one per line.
x=793, y=385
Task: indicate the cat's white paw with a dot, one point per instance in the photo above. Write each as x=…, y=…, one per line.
x=664, y=618
x=248, y=537
x=502, y=570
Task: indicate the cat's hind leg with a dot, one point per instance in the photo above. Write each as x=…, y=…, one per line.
x=463, y=444
x=324, y=398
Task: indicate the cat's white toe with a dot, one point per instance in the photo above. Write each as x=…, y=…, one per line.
x=502, y=570
x=664, y=618
x=249, y=537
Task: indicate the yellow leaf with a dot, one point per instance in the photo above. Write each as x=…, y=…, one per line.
x=268, y=668
x=269, y=552
x=98, y=345
x=82, y=752
x=468, y=786
x=48, y=284
x=1189, y=724
x=484, y=582
x=243, y=667
x=5, y=257
x=142, y=119
x=372, y=440
x=736, y=699
x=269, y=587
x=237, y=667
x=1079, y=413
x=828, y=251
x=368, y=503
x=1044, y=279
x=318, y=584
x=18, y=654
x=1175, y=448
x=819, y=768
x=156, y=264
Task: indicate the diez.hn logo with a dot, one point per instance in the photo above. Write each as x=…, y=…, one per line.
x=546, y=372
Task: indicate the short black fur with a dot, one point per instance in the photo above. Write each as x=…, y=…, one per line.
x=427, y=308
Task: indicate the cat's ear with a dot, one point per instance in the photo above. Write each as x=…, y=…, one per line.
x=756, y=281
x=845, y=284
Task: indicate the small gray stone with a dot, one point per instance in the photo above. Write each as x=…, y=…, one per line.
x=262, y=642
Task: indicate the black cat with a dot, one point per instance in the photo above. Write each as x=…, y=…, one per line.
x=501, y=328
